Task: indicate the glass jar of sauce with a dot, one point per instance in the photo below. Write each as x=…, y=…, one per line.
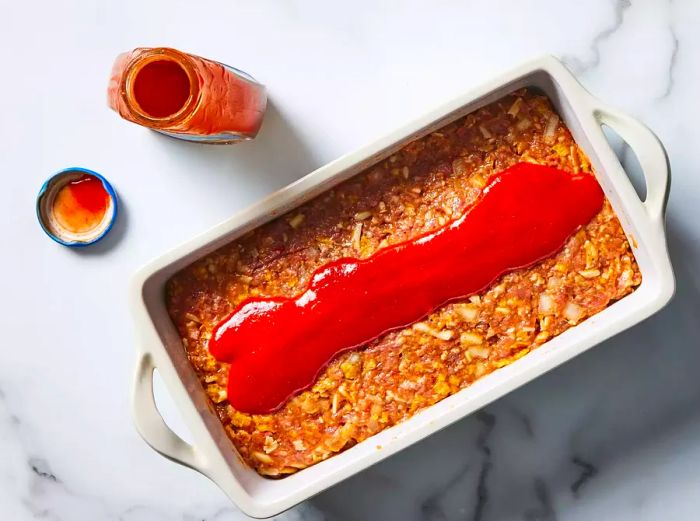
x=186, y=96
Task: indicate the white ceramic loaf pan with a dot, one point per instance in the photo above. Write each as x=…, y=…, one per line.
x=213, y=454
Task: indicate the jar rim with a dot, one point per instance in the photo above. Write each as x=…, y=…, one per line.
x=134, y=67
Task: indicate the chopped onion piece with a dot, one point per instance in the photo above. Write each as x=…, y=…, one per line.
x=573, y=312
x=193, y=318
x=478, y=351
x=553, y=283
x=626, y=278
x=295, y=221
x=551, y=127
x=470, y=339
x=445, y=334
x=262, y=457
x=468, y=312
x=515, y=107
x=547, y=305
x=590, y=274
x=356, y=236
x=460, y=166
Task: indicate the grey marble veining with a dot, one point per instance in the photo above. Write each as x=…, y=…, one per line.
x=613, y=435
x=580, y=65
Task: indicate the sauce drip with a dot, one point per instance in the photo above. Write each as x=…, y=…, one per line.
x=161, y=88
x=81, y=204
x=278, y=346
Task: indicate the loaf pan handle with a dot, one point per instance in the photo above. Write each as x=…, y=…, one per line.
x=650, y=152
x=150, y=424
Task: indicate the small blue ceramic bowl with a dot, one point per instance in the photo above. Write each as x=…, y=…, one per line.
x=53, y=228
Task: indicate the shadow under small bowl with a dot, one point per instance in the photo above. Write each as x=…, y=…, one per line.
x=53, y=228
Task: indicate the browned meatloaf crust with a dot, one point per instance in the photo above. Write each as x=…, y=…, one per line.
x=423, y=186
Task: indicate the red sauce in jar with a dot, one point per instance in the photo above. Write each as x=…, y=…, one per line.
x=161, y=88
x=81, y=204
x=276, y=347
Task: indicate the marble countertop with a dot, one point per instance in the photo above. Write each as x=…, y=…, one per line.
x=613, y=435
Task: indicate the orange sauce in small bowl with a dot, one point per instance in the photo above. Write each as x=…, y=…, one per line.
x=76, y=207
x=81, y=204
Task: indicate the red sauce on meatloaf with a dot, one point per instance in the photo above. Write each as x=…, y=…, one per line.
x=277, y=346
x=418, y=189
